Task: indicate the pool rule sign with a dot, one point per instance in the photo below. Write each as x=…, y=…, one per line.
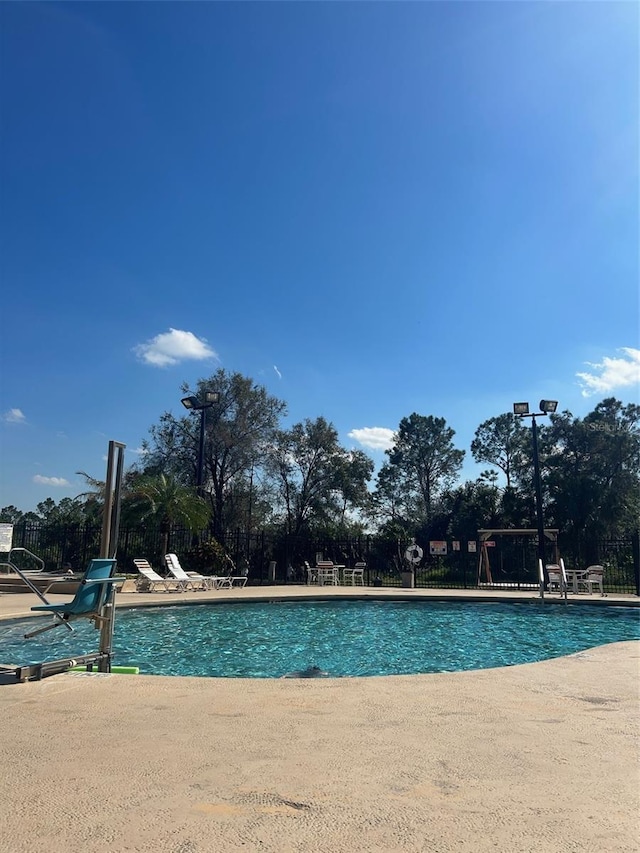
x=6, y=538
x=438, y=548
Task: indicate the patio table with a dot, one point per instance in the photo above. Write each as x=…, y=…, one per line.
x=573, y=576
x=323, y=575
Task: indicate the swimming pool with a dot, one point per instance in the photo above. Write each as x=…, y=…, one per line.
x=344, y=638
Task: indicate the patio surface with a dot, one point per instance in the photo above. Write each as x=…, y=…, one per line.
x=541, y=757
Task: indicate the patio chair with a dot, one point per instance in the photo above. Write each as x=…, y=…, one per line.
x=327, y=573
x=593, y=576
x=354, y=575
x=554, y=573
x=148, y=579
x=93, y=593
x=311, y=573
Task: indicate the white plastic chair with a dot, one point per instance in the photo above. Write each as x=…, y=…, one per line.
x=593, y=576
x=355, y=576
x=327, y=573
x=554, y=573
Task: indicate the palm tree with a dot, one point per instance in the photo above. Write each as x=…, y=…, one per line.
x=167, y=502
x=93, y=499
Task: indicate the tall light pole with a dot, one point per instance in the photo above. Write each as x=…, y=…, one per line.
x=521, y=410
x=194, y=404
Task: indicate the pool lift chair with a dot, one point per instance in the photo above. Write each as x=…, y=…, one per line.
x=93, y=593
x=94, y=601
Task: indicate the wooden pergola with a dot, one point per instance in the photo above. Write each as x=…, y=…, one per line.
x=485, y=535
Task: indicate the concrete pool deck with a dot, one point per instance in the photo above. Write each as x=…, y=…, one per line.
x=540, y=757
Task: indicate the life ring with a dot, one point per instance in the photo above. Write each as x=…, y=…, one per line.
x=413, y=554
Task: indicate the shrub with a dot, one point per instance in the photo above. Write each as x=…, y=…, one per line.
x=208, y=558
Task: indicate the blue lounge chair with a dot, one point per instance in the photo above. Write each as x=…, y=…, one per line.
x=93, y=593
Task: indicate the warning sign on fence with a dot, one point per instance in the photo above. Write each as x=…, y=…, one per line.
x=438, y=548
x=6, y=538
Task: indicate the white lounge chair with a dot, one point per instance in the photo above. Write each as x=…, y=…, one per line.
x=196, y=580
x=149, y=580
x=193, y=579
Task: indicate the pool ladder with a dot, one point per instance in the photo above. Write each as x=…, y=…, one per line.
x=564, y=584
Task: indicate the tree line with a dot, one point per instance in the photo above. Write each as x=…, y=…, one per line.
x=299, y=480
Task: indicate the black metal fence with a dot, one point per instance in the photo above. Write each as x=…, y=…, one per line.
x=513, y=560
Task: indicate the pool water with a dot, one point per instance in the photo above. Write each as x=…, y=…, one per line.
x=344, y=638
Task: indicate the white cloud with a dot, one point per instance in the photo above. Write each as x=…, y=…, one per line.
x=278, y=374
x=14, y=416
x=173, y=347
x=376, y=438
x=51, y=481
x=611, y=373
x=140, y=451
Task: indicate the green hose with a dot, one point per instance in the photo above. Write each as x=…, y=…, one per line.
x=120, y=670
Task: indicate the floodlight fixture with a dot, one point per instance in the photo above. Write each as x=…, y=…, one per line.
x=547, y=407
x=194, y=405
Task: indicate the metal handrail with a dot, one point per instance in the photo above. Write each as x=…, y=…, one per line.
x=34, y=588
x=563, y=575
x=541, y=578
x=31, y=554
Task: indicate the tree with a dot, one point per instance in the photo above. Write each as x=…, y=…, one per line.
x=472, y=506
x=428, y=462
x=593, y=473
x=393, y=506
x=238, y=432
x=500, y=441
x=93, y=498
x=504, y=442
x=316, y=478
x=354, y=472
x=68, y=511
x=166, y=502
x=10, y=515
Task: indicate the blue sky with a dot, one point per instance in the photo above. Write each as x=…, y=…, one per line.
x=370, y=208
